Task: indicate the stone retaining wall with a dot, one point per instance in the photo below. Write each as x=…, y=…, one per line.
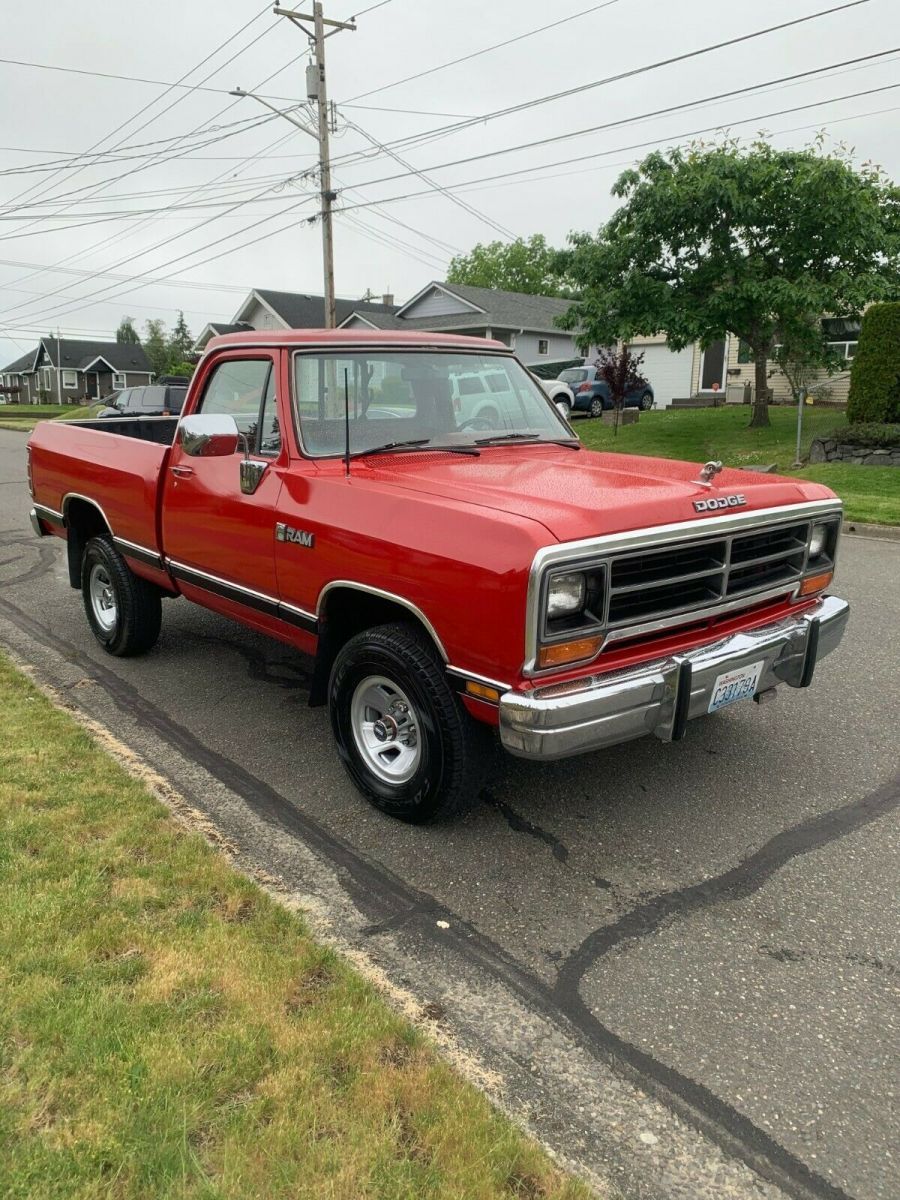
x=833, y=450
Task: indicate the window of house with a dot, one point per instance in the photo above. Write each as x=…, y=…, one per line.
x=70, y=380
x=745, y=354
x=118, y=381
x=846, y=350
x=46, y=375
x=543, y=346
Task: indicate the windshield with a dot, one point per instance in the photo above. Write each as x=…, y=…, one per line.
x=574, y=375
x=437, y=399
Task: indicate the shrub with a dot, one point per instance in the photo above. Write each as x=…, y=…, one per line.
x=879, y=437
x=875, y=374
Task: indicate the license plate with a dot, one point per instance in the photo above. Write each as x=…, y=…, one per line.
x=734, y=686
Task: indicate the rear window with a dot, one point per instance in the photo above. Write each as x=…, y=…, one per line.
x=154, y=397
x=574, y=375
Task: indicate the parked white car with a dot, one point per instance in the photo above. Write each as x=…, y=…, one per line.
x=561, y=395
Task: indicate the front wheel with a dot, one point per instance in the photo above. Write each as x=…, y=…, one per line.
x=646, y=401
x=402, y=734
x=123, y=611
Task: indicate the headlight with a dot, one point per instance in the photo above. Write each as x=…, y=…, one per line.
x=565, y=595
x=818, y=540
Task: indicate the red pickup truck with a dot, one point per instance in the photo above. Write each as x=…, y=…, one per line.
x=449, y=566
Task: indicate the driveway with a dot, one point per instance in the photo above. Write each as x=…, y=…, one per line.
x=679, y=964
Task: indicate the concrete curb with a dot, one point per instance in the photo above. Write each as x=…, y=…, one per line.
x=889, y=533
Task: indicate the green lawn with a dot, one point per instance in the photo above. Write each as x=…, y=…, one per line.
x=167, y=1030
x=869, y=493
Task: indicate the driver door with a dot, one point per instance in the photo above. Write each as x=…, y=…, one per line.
x=219, y=538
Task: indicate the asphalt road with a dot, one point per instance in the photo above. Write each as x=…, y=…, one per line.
x=680, y=962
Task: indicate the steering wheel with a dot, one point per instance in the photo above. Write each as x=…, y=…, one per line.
x=478, y=423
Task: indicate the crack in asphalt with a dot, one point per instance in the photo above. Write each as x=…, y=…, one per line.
x=391, y=902
x=737, y=883
x=520, y=824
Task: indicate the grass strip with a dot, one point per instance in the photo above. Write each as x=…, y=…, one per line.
x=699, y=434
x=167, y=1029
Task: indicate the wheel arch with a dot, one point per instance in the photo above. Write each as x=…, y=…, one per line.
x=345, y=608
x=83, y=519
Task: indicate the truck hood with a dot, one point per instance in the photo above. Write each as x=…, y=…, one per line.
x=584, y=494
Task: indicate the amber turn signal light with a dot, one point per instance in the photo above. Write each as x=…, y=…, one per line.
x=481, y=691
x=568, y=652
x=815, y=583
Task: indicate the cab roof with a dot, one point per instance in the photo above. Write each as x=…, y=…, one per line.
x=388, y=339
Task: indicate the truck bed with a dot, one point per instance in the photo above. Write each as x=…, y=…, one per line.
x=116, y=462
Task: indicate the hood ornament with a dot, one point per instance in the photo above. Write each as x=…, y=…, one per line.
x=708, y=473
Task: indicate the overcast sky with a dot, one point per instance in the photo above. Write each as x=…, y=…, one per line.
x=204, y=187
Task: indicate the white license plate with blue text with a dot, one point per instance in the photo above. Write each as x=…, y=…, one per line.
x=734, y=686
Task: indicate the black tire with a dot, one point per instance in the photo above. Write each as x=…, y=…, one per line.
x=596, y=407
x=447, y=748
x=646, y=401
x=135, y=604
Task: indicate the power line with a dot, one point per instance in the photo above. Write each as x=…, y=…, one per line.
x=629, y=74
x=188, y=87
x=648, y=115
x=635, y=146
x=484, y=50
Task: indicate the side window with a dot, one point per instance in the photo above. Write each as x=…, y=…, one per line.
x=269, y=429
x=153, y=397
x=135, y=398
x=236, y=388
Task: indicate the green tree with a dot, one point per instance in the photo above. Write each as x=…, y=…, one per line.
x=875, y=374
x=180, y=341
x=747, y=240
x=127, y=332
x=519, y=266
x=155, y=346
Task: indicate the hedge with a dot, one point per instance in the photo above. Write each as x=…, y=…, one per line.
x=875, y=374
x=871, y=434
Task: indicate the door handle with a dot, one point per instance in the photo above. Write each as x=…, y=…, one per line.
x=182, y=472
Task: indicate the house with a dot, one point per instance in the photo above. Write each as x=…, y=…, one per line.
x=71, y=371
x=724, y=367
x=525, y=323
x=265, y=309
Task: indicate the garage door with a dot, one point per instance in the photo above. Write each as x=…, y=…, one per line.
x=668, y=371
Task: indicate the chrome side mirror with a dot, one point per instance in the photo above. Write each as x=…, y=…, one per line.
x=208, y=435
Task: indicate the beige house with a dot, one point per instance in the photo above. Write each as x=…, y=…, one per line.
x=726, y=367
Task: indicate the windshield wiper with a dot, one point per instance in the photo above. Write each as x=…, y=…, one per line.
x=527, y=437
x=411, y=444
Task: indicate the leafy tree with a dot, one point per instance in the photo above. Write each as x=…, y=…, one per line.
x=185, y=369
x=180, y=342
x=620, y=371
x=127, y=332
x=519, y=266
x=155, y=346
x=747, y=240
x=875, y=374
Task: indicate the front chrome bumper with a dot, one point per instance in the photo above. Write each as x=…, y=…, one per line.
x=660, y=697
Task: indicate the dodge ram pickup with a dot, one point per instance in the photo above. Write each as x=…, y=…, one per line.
x=447, y=568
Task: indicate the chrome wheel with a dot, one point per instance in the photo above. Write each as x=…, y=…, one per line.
x=103, y=598
x=564, y=408
x=597, y=408
x=385, y=729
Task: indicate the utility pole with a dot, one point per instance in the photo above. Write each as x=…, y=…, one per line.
x=316, y=90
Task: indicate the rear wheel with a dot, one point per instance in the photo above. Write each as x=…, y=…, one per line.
x=596, y=407
x=123, y=611
x=402, y=734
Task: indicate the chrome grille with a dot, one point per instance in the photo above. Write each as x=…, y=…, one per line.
x=655, y=584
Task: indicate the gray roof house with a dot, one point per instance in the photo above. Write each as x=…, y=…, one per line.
x=524, y=322
x=266, y=309
x=72, y=371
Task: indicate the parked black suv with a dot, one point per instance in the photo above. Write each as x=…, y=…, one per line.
x=162, y=399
